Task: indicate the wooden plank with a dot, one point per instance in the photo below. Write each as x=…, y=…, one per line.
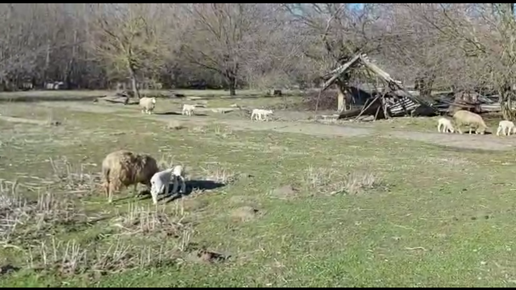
x=340, y=71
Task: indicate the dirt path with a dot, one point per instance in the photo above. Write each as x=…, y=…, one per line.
x=486, y=142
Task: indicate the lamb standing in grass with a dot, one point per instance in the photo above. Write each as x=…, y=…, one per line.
x=505, y=127
x=259, y=113
x=446, y=125
x=160, y=182
x=125, y=168
x=188, y=109
x=147, y=104
x=472, y=120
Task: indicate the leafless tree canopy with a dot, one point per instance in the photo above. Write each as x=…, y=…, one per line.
x=255, y=45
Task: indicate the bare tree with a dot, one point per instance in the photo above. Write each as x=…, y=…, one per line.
x=414, y=51
x=333, y=34
x=218, y=37
x=126, y=36
x=486, y=36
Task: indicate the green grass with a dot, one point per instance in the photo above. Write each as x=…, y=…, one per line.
x=365, y=211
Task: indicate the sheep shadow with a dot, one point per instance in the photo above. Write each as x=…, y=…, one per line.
x=168, y=113
x=191, y=185
x=179, y=114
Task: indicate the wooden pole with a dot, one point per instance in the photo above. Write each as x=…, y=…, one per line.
x=369, y=105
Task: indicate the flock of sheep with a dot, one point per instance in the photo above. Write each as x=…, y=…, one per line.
x=472, y=121
x=148, y=104
x=124, y=168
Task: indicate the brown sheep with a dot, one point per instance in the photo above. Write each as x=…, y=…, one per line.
x=125, y=168
x=472, y=120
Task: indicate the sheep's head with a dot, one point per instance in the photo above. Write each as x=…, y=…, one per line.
x=268, y=111
x=153, y=100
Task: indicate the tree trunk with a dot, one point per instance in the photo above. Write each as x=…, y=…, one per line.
x=47, y=63
x=231, y=85
x=71, y=63
x=424, y=86
x=341, y=100
x=342, y=87
x=505, y=104
x=134, y=85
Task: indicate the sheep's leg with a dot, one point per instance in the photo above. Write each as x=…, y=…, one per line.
x=498, y=131
x=439, y=128
x=110, y=193
x=183, y=185
x=154, y=196
x=174, y=188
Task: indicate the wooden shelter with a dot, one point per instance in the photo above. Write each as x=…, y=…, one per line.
x=393, y=101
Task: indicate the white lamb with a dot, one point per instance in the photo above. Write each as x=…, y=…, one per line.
x=147, y=104
x=160, y=181
x=446, y=125
x=505, y=127
x=259, y=113
x=188, y=109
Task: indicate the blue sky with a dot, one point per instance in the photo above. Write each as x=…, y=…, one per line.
x=357, y=5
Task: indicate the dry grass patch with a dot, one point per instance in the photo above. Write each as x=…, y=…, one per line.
x=331, y=181
x=33, y=218
x=219, y=175
x=75, y=179
x=72, y=258
x=154, y=220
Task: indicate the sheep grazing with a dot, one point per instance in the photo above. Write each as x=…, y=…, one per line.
x=470, y=119
x=260, y=114
x=147, y=104
x=125, y=168
x=445, y=125
x=505, y=127
x=188, y=109
x=160, y=182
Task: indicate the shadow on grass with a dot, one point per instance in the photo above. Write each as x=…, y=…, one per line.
x=179, y=114
x=191, y=185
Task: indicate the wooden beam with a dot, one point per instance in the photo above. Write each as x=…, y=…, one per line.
x=340, y=71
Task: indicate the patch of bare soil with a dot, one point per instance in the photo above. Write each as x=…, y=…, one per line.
x=485, y=142
x=30, y=121
x=303, y=128
x=285, y=192
x=87, y=107
x=244, y=214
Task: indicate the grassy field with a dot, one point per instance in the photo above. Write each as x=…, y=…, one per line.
x=65, y=95
x=265, y=208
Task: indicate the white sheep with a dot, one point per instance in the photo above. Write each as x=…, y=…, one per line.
x=188, y=109
x=178, y=177
x=147, y=104
x=446, y=125
x=160, y=181
x=259, y=113
x=505, y=127
x=472, y=120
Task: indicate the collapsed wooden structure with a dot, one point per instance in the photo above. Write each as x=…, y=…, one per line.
x=393, y=101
